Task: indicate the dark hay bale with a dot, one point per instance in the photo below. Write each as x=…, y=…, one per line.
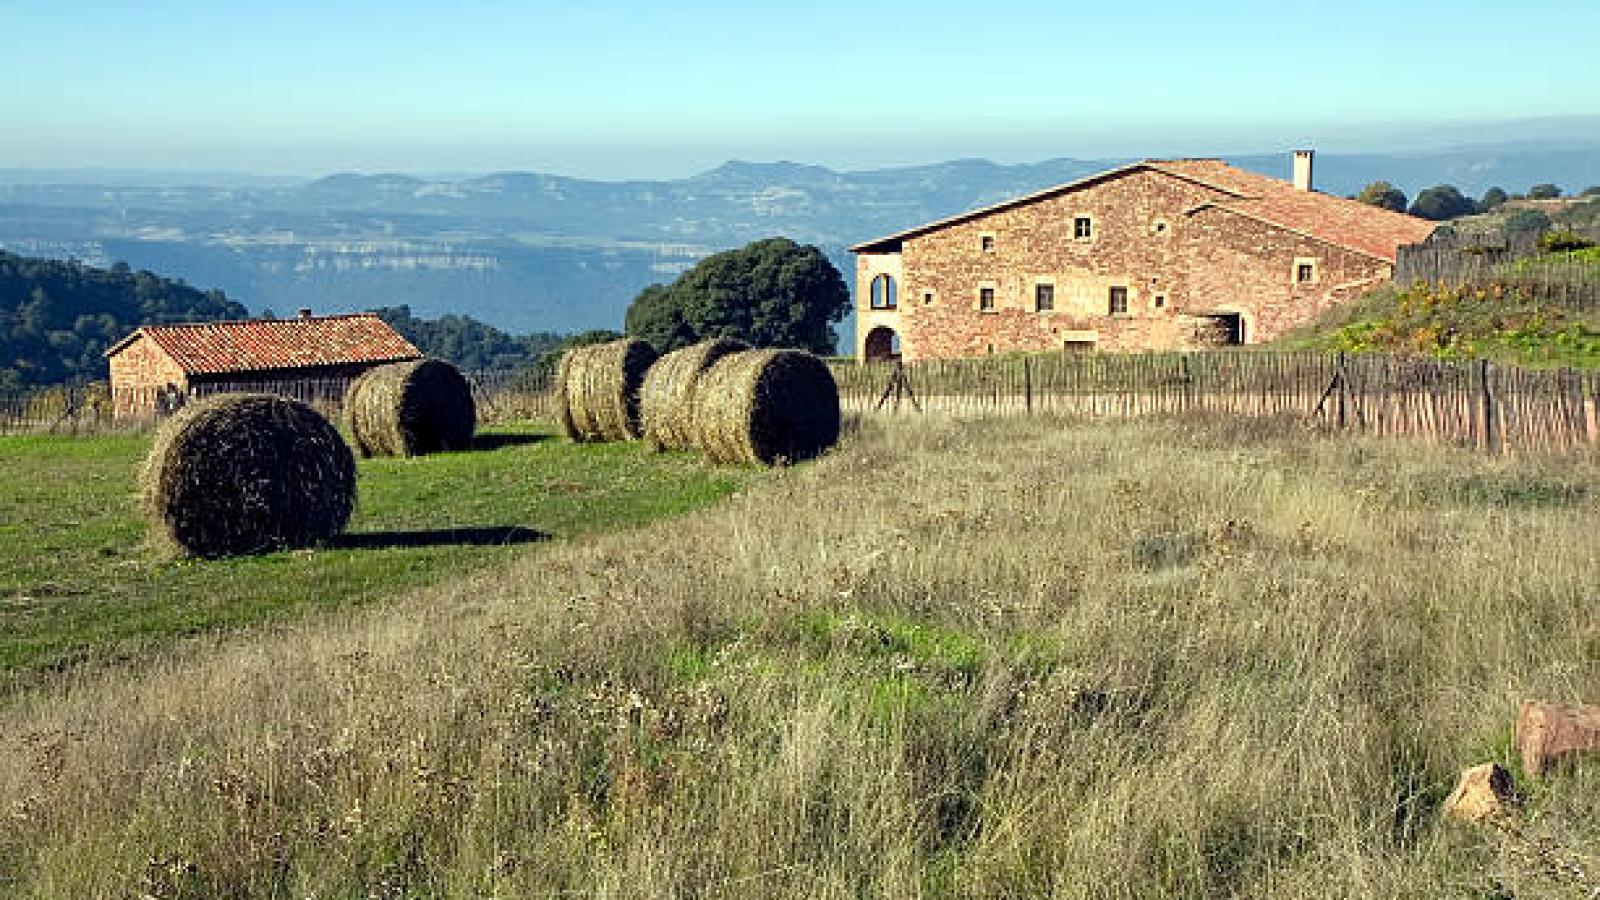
x=597, y=390
x=766, y=406
x=666, y=400
x=411, y=408
x=248, y=473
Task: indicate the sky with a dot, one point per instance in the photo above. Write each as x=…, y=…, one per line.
x=664, y=89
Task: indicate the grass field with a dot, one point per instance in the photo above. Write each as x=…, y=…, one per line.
x=1002, y=658
x=78, y=579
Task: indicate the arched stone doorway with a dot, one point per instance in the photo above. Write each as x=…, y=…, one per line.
x=882, y=344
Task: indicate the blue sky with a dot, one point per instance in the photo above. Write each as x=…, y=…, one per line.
x=626, y=89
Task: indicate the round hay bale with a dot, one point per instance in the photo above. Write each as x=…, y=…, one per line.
x=666, y=399
x=597, y=390
x=766, y=406
x=248, y=473
x=411, y=408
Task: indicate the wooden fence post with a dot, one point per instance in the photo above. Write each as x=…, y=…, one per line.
x=1491, y=436
x=1027, y=385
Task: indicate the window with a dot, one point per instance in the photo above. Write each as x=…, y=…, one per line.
x=986, y=242
x=1044, y=297
x=1160, y=228
x=1304, y=273
x=986, y=299
x=883, y=292
x=1078, y=345
x=1082, y=228
x=1119, y=301
x=927, y=298
x=1160, y=301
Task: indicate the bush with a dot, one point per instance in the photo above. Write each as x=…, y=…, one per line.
x=1563, y=241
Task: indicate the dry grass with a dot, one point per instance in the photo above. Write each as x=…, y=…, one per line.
x=985, y=659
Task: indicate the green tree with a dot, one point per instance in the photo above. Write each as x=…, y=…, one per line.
x=1442, y=203
x=1526, y=221
x=1383, y=194
x=1492, y=199
x=1544, y=192
x=770, y=293
x=1591, y=191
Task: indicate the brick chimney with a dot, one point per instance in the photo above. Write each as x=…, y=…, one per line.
x=305, y=312
x=1302, y=169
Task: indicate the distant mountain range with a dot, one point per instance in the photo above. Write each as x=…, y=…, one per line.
x=534, y=252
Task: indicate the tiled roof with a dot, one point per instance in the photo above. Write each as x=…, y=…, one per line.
x=262, y=345
x=1334, y=220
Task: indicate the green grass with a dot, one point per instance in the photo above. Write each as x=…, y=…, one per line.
x=79, y=579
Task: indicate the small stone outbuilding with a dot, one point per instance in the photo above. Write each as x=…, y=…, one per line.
x=157, y=367
x=1155, y=255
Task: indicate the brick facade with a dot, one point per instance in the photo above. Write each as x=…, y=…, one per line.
x=1180, y=250
x=139, y=371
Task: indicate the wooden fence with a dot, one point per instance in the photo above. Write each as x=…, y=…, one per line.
x=501, y=395
x=1468, y=403
x=1514, y=262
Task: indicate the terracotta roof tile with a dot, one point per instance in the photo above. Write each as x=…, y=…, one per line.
x=1335, y=220
x=259, y=345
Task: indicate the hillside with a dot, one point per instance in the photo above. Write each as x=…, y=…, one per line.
x=996, y=658
x=57, y=318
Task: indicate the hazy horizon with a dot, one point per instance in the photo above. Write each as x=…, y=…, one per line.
x=629, y=90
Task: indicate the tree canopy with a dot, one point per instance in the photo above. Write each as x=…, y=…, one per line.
x=770, y=293
x=1383, y=194
x=58, y=318
x=1492, y=199
x=1441, y=203
x=1544, y=192
x=467, y=342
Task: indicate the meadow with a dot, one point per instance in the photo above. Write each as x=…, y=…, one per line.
x=80, y=583
x=952, y=658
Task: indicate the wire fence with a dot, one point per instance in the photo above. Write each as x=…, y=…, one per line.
x=1496, y=408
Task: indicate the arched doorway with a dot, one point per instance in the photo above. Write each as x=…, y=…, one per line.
x=882, y=344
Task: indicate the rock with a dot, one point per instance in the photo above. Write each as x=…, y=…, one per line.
x=1484, y=791
x=1548, y=731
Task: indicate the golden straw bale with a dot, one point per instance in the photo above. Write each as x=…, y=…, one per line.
x=247, y=473
x=766, y=406
x=666, y=401
x=597, y=390
x=411, y=408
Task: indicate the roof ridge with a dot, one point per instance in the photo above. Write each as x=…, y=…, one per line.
x=263, y=321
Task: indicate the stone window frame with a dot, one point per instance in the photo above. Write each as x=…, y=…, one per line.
x=1080, y=341
x=890, y=295
x=1161, y=228
x=929, y=296
x=1126, y=312
x=994, y=297
x=1094, y=228
x=986, y=242
x=1158, y=300
x=1048, y=283
x=1306, y=263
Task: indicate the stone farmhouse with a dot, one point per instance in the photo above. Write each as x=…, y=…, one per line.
x=1156, y=255
x=311, y=357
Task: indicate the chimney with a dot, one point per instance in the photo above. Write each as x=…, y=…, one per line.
x=305, y=312
x=1302, y=169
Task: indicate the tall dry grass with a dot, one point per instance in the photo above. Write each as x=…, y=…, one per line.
x=978, y=659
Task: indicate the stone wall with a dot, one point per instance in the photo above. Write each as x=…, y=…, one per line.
x=138, y=372
x=1153, y=235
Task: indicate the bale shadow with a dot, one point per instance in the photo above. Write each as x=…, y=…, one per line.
x=497, y=440
x=479, y=536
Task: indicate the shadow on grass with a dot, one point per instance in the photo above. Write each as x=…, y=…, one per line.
x=488, y=536
x=496, y=440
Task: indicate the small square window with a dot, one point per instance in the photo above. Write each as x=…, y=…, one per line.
x=1161, y=301
x=927, y=298
x=986, y=299
x=1305, y=273
x=987, y=243
x=1119, y=301
x=1083, y=228
x=1044, y=297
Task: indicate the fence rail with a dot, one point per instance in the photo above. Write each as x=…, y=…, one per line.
x=1513, y=261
